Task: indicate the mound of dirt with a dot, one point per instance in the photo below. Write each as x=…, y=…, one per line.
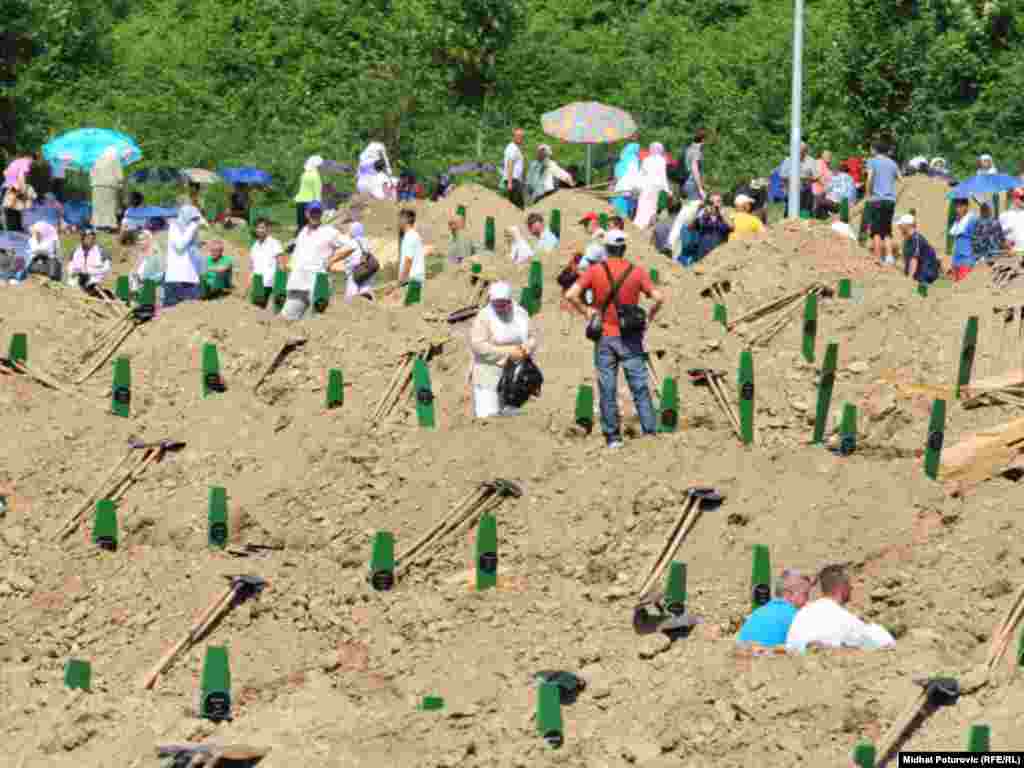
x=325, y=670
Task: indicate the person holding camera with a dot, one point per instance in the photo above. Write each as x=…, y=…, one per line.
x=616, y=324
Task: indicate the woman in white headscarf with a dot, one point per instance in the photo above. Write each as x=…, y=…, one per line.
x=519, y=250
x=44, y=248
x=654, y=169
x=311, y=188
x=151, y=263
x=501, y=332
x=107, y=178
x=353, y=250
x=185, y=263
x=374, y=177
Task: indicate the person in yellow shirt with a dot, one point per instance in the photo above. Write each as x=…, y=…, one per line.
x=746, y=224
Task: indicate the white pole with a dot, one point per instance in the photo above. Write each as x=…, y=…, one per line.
x=794, y=129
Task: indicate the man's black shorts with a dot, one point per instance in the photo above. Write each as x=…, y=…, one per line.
x=881, y=220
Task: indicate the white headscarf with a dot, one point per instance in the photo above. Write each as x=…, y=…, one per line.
x=657, y=148
x=314, y=162
x=521, y=252
x=500, y=291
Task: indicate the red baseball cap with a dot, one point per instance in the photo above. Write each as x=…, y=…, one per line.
x=1018, y=193
x=590, y=217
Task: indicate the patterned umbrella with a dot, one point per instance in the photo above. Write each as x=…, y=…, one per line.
x=82, y=148
x=588, y=122
x=200, y=175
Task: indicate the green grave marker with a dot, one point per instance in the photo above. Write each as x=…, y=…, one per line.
x=805, y=214
x=967, y=350
x=335, y=389
x=761, y=577
x=17, y=351
x=424, y=393
x=669, y=412
x=979, y=738
x=950, y=221
x=104, y=527
x=121, y=392
x=489, y=235
x=995, y=205
x=549, y=714
x=810, y=326
x=662, y=201
x=936, y=437
x=321, y=293
x=215, y=685
x=78, y=675
x=431, y=704
x=602, y=221
x=217, y=517
x=1020, y=649
x=212, y=380
x=585, y=407
x=675, y=589
x=487, y=553
x=655, y=277
x=536, y=280
x=145, y=299
x=257, y=292
x=845, y=288
x=825, y=387
x=844, y=210
x=555, y=224
x=922, y=290
x=526, y=301
x=746, y=396
x=460, y=211
x=864, y=755
x=123, y=289
x=382, y=561
x=279, y=291
x=413, y=293
x=720, y=315
x=848, y=430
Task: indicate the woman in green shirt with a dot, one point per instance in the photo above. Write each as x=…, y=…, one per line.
x=310, y=189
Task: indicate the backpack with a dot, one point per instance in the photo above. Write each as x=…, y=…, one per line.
x=520, y=380
x=367, y=268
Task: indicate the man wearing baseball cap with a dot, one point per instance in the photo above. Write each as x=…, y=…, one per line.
x=314, y=247
x=617, y=287
x=1012, y=222
x=745, y=224
x=919, y=258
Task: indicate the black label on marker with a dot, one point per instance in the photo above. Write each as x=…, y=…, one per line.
x=218, y=705
x=847, y=444
x=747, y=391
x=424, y=396
x=489, y=563
x=668, y=418
x=382, y=581
x=213, y=382
x=762, y=594
x=828, y=380
x=968, y=353
x=935, y=440
x=122, y=395
x=106, y=542
x=810, y=327
x=219, y=533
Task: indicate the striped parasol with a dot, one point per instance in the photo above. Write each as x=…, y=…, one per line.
x=588, y=122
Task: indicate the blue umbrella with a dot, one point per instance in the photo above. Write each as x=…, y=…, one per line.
x=151, y=212
x=984, y=184
x=332, y=166
x=82, y=148
x=245, y=176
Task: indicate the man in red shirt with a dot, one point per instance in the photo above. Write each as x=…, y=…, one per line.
x=616, y=348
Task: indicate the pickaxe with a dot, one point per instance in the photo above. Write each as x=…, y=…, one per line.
x=712, y=379
x=210, y=755
x=239, y=590
x=937, y=692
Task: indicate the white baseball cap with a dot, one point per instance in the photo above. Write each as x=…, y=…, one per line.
x=906, y=220
x=615, y=237
x=741, y=199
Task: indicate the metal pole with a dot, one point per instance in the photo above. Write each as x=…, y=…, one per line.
x=794, y=130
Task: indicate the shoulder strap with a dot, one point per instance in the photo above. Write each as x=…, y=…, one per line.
x=615, y=286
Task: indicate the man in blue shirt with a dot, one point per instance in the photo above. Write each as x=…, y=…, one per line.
x=769, y=624
x=881, y=194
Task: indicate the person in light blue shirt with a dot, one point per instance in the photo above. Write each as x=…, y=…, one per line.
x=542, y=239
x=881, y=195
x=769, y=624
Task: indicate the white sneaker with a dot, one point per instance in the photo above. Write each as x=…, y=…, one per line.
x=615, y=445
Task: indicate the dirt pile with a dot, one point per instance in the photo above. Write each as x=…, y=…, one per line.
x=327, y=671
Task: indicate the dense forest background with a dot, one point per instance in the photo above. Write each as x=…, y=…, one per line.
x=269, y=82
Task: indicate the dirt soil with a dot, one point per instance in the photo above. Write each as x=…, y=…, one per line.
x=326, y=672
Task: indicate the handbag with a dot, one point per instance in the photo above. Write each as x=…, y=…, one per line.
x=520, y=380
x=367, y=268
x=632, y=317
x=595, y=324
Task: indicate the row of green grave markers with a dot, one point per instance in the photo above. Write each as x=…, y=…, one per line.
x=978, y=740
x=105, y=529
x=214, y=686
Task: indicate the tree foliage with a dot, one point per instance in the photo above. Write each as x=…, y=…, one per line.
x=269, y=82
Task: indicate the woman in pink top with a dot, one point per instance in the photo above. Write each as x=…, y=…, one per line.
x=824, y=178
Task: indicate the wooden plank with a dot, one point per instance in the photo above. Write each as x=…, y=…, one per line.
x=1013, y=378
x=983, y=454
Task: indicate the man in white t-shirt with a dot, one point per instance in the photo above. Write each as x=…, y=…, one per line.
x=512, y=168
x=1012, y=222
x=412, y=262
x=826, y=622
x=314, y=247
x=266, y=255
